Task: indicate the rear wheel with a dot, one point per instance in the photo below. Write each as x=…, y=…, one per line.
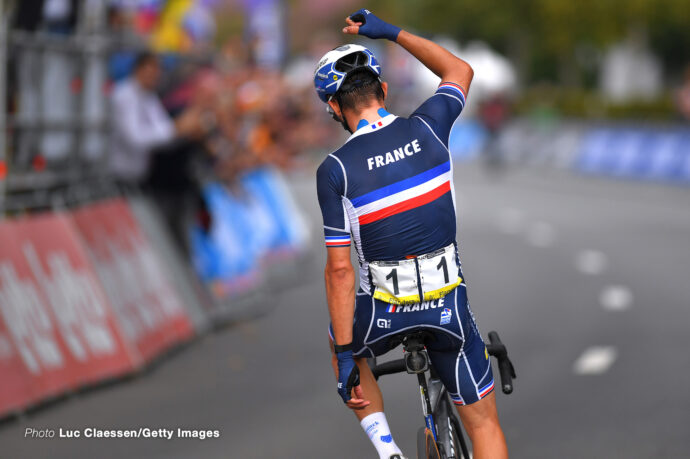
x=458, y=439
x=451, y=442
x=426, y=445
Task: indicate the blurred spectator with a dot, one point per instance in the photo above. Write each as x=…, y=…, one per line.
x=55, y=16
x=29, y=15
x=683, y=96
x=141, y=124
x=60, y=16
x=494, y=113
x=153, y=150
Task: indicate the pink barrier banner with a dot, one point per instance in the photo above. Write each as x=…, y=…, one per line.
x=151, y=315
x=57, y=329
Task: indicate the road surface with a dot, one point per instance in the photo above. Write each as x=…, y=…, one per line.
x=587, y=281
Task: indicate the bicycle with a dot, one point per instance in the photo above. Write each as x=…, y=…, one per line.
x=442, y=436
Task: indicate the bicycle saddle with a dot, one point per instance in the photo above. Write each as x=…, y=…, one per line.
x=412, y=340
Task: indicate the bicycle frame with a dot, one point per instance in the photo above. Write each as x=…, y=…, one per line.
x=427, y=406
x=436, y=403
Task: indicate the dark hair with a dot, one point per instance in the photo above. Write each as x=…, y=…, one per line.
x=358, y=89
x=143, y=58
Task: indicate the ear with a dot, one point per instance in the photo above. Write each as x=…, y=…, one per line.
x=384, y=86
x=335, y=107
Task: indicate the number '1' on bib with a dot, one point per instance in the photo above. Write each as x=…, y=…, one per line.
x=396, y=282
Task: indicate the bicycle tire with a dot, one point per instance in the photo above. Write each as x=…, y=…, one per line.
x=426, y=445
x=459, y=442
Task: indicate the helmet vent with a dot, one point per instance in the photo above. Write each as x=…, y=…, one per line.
x=351, y=62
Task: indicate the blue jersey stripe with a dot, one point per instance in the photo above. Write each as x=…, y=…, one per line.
x=453, y=90
x=401, y=185
x=335, y=233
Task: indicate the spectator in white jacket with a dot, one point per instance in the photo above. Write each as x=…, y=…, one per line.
x=141, y=124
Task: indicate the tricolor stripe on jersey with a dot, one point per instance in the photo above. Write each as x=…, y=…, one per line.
x=338, y=241
x=454, y=87
x=486, y=389
x=404, y=195
x=457, y=400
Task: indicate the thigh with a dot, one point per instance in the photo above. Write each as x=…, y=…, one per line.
x=479, y=413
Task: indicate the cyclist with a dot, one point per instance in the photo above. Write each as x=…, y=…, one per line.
x=389, y=189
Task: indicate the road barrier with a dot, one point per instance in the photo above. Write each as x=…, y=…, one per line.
x=84, y=298
x=149, y=310
x=255, y=221
x=58, y=331
x=641, y=152
x=100, y=291
x=192, y=292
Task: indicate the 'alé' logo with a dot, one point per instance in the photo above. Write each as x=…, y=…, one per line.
x=383, y=323
x=78, y=311
x=135, y=284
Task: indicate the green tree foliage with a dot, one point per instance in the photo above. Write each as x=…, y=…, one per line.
x=550, y=39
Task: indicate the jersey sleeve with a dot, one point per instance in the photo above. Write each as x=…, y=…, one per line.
x=331, y=188
x=440, y=111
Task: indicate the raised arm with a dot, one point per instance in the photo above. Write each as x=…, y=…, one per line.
x=436, y=58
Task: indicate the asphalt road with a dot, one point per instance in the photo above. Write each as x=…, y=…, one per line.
x=587, y=281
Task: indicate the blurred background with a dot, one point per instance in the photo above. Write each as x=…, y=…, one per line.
x=161, y=252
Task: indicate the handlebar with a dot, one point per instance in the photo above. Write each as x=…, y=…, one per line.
x=389, y=368
x=505, y=366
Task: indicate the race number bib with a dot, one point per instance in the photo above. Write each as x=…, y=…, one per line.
x=439, y=272
x=396, y=282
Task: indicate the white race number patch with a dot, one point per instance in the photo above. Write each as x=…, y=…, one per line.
x=439, y=273
x=396, y=281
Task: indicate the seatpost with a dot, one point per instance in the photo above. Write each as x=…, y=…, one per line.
x=417, y=361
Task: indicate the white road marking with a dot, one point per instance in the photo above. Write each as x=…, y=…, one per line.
x=510, y=220
x=616, y=298
x=541, y=234
x=595, y=360
x=591, y=262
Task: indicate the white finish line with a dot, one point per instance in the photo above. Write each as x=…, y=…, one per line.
x=595, y=360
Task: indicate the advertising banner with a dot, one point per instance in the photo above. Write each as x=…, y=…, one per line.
x=57, y=330
x=151, y=315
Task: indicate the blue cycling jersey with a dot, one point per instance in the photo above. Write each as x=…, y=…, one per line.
x=389, y=188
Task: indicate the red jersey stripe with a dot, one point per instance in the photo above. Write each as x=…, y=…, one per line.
x=462, y=90
x=418, y=201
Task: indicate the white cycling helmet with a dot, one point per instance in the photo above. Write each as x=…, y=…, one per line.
x=332, y=69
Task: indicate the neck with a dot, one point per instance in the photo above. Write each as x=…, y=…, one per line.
x=370, y=114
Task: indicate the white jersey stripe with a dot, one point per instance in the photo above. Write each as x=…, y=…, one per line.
x=404, y=195
x=351, y=214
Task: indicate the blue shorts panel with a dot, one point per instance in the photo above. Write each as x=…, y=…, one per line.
x=457, y=351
